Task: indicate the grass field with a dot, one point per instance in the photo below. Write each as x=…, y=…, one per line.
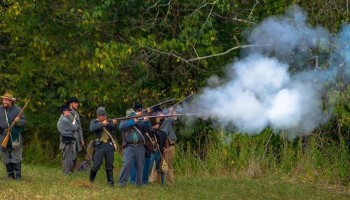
x=48, y=183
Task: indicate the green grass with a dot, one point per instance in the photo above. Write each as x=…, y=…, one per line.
x=41, y=182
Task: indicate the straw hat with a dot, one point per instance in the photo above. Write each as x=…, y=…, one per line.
x=8, y=96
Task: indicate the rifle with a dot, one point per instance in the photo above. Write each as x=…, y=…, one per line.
x=159, y=104
x=8, y=130
x=182, y=100
x=152, y=116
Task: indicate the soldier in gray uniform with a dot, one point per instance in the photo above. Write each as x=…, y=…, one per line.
x=103, y=144
x=67, y=125
x=78, y=134
x=11, y=155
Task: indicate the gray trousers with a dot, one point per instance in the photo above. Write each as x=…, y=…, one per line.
x=9, y=155
x=69, y=155
x=136, y=152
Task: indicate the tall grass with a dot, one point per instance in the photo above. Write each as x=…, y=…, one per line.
x=40, y=182
x=316, y=158
x=322, y=157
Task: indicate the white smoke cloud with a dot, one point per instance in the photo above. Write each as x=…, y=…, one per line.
x=259, y=91
x=287, y=36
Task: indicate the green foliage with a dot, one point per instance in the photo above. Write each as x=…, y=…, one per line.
x=306, y=159
x=38, y=152
x=116, y=52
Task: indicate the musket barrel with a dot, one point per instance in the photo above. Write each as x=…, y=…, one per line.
x=184, y=99
x=154, y=116
x=159, y=104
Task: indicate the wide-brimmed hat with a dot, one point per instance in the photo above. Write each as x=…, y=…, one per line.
x=72, y=99
x=65, y=108
x=8, y=96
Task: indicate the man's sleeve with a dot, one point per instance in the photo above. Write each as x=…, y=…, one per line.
x=95, y=125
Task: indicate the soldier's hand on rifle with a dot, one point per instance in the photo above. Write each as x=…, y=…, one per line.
x=105, y=122
x=172, y=110
x=114, y=121
x=149, y=110
x=146, y=119
x=82, y=143
x=17, y=119
x=136, y=119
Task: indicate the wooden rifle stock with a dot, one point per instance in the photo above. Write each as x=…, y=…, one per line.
x=8, y=130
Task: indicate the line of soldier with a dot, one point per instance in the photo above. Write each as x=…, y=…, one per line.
x=145, y=142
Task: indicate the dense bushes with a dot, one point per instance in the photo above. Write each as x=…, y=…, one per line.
x=320, y=157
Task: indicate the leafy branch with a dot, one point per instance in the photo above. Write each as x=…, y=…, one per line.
x=171, y=53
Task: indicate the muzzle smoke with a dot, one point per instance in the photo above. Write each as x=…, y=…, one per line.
x=275, y=84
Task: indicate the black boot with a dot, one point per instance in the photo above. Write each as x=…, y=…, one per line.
x=92, y=175
x=110, y=178
x=9, y=169
x=74, y=165
x=17, y=170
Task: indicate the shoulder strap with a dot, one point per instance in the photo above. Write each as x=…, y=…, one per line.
x=7, y=119
x=112, y=139
x=149, y=137
x=144, y=141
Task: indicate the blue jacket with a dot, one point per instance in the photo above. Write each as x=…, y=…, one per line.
x=133, y=132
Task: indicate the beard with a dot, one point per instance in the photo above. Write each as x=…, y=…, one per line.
x=7, y=104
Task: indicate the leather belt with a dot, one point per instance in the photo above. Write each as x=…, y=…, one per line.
x=105, y=141
x=134, y=143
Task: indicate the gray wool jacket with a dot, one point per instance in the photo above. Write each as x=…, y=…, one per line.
x=65, y=126
x=167, y=127
x=12, y=113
